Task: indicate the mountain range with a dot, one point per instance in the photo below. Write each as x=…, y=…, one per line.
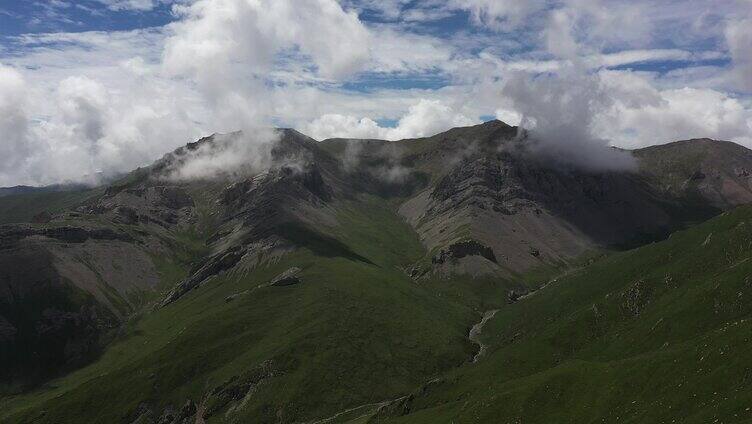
x=461, y=277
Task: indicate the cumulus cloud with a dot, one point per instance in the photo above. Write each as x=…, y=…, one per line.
x=60, y=127
x=644, y=115
x=424, y=118
x=559, y=113
x=14, y=124
x=222, y=32
x=228, y=47
x=111, y=101
x=77, y=103
x=558, y=110
x=739, y=39
x=140, y=5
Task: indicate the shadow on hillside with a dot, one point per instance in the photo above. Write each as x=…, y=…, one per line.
x=319, y=244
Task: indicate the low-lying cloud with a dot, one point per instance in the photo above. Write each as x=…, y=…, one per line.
x=558, y=114
x=238, y=154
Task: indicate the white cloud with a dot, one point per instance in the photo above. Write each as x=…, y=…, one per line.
x=229, y=48
x=333, y=125
x=140, y=5
x=739, y=39
x=560, y=113
x=77, y=111
x=643, y=115
x=404, y=52
x=252, y=32
x=76, y=103
x=424, y=118
x=14, y=125
x=502, y=15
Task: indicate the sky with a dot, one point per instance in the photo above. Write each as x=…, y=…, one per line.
x=96, y=86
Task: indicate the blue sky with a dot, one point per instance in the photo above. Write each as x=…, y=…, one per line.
x=21, y=17
x=112, y=84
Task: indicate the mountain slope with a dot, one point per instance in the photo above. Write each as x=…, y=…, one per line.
x=717, y=171
x=343, y=273
x=658, y=334
x=302, y=351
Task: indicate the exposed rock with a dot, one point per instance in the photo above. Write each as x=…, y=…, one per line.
x=396, y=408
x=515, y=294
x=697, y=175
x=287, y=278
x=216, y=264
x=169, y=416
x=636, y=298
x=464, y=248
x=232, y=297
x=172, y=197
x=234, y=191
x=142, y=415
x=11, y=234
x=188, y=410
x=238, y=387
x=416, y=271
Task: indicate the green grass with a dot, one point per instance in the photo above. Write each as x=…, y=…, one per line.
x=580, y=351
x=23, y=207
x=354, y=332
x=655, y=334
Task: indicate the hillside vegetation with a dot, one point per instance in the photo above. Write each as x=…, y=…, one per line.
x=454, y=278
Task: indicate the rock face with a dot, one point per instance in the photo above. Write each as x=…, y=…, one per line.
x=146, y=204
x=67, y=280
x=214, y=266
x=464, y=248
x=530, y=212
x=706, y=170
x=287, y=278
x=47, y=324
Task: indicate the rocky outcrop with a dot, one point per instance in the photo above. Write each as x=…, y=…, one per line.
x=187, y=414
x=636, y=298
x=239, y=387
x=213, y=266
x=462, y=249
x=145, y=203
x=287, y=278
x=11, y=234
x=533, y=212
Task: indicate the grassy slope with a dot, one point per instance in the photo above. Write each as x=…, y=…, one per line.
x=352, y=333
x=657, y=334
x=650, y=335
x=23, y=207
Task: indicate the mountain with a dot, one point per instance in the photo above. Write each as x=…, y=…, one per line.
x=348, y=279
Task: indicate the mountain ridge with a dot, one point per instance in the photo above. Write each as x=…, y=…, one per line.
x=431, y=229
